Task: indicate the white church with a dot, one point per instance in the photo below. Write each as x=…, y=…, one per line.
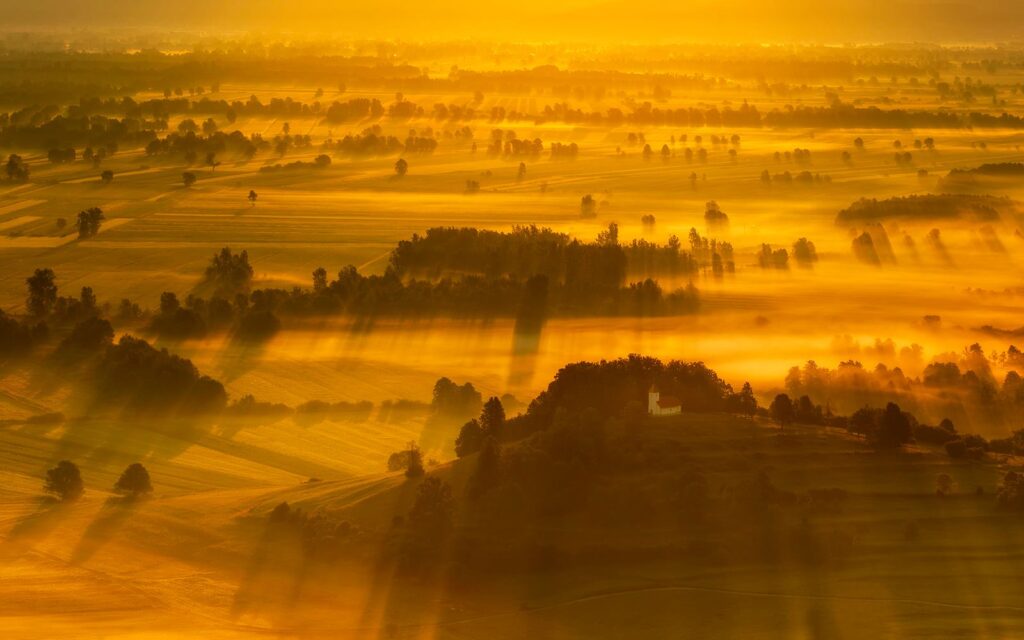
x=661, y=406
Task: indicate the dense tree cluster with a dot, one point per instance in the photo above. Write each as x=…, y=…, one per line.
x=320, y=536
x=616, y=387
x=18, y=337
x=966, y=391
x=926, y=207
x=16, y=169
x=530, y=250
x=981, y=177
x=229, y=272
x=803, y=178
x=354, y=109
x=89, y=222
x=134, y=375
x=67, y=133
x=322, y=161
x=190, y=147
x=773, y=259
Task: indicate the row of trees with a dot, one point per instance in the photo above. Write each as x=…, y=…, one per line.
x=530, y=250
x=65, y=481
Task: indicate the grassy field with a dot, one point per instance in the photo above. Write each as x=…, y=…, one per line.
x=159, y=236
x=189, y=560
x=197, y=558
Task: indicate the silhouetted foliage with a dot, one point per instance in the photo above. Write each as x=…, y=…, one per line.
x=471, y=438
x=42, y=292
x=926, y=207
x=782, y=410
x=141, y=378
x=134, y=481
x=229, y=272
x=414, y=464
x=64, y=481
x=17, y=338
x=88, y=336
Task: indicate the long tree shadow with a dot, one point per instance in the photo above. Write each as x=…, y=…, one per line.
x=272, y=576
x=111, y=516
x=239, y=357
x=36, y=525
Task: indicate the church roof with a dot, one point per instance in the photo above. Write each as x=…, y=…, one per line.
x=668, y=402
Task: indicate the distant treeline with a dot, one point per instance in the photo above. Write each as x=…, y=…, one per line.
x=980, y=208
x=528, y=273
x=138, y=377
x=62, y=132
x=966, y=391
x=835, y=116
x=984, y=176
x=532, y=250
x=472, y=295
x=373, y=142
x=190, y=147
x=617, y=390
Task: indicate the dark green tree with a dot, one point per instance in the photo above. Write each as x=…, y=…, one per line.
x=42, y=292
x=782, y=410
x=471, y=437
x=492, y=417
x=415, y=468
x=134, y=482
x=64, y=481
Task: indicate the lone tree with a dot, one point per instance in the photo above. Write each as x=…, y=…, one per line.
x=134, y=482
x=252, y=198
x=471, y=438
x=746, y=401
x=16, y=169
x=588, y=206
x=415, y=468
x=320, y=280
x=64, y=481
x=89, y=222
x=401, y=167
x=107, y=176
x=894, y=428
x=492, y=418
x=42, y=292
x=188, y=178
x=782, y=410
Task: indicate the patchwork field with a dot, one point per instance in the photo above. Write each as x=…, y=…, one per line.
x=456, y=437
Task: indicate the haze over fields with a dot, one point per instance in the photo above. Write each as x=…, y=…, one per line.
x=590, y=21
x=559, y=320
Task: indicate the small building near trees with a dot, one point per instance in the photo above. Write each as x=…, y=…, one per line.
x=658, y=405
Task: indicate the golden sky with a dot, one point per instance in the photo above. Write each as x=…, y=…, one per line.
x=576, y=20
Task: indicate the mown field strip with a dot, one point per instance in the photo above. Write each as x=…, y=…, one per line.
x=18, y=206
x=123, y=174
x=17, y=222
